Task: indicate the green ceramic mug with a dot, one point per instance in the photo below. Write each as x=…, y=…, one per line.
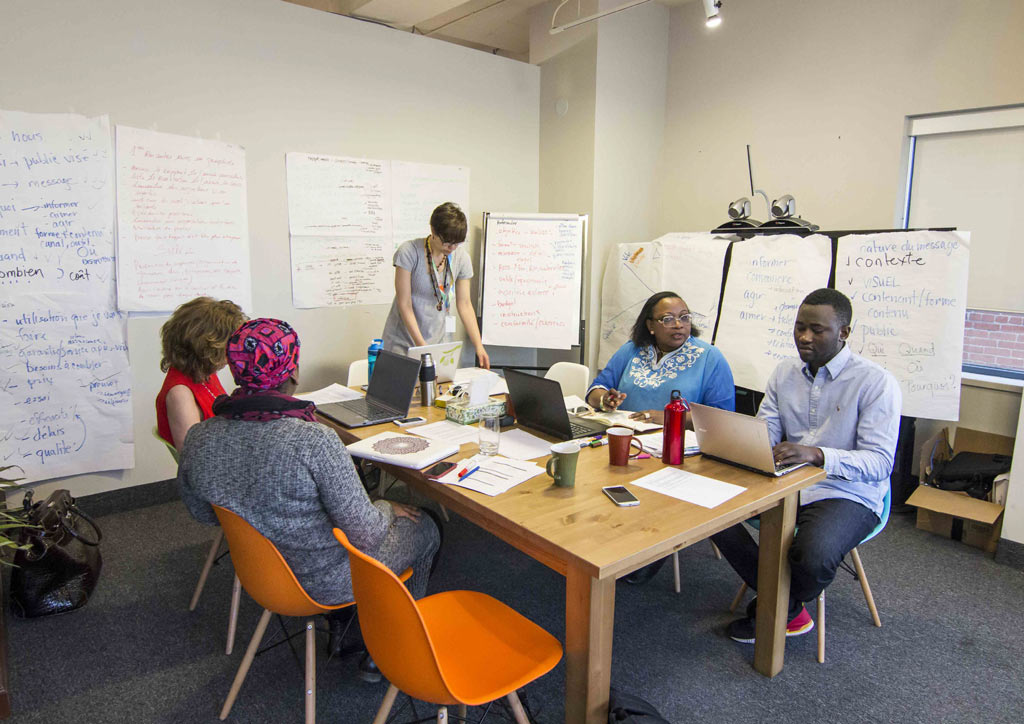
x=562, y=464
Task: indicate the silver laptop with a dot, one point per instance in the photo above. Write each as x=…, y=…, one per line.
x=445, y=355
x=736, y=438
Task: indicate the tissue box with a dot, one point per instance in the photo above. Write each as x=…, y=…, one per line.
x=466, y=415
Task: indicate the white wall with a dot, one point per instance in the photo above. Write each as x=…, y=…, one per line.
x=274, y=77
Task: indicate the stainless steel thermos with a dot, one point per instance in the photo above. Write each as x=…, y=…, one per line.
x=428, y=383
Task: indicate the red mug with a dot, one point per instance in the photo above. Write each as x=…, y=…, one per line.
x=620, y=439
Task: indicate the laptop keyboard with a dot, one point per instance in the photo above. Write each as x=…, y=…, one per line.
x=783, y=469
x=368, y=409
x=579, y=430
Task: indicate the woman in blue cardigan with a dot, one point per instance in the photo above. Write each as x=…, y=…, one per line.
x=663, y=354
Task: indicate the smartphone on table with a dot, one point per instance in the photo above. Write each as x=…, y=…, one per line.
x=436, y=471
x=410, y=421
x=620, y=495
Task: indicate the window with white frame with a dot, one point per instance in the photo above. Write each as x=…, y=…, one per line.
x=966, y=170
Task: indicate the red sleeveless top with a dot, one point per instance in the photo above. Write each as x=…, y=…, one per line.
x=204, y=393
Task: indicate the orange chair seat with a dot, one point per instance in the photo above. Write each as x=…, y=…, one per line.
x=485, y=649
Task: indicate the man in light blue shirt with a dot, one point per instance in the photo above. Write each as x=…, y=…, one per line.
x=838, y=411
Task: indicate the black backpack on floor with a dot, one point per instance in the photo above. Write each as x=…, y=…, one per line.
x=629, y=709
x=971, y=472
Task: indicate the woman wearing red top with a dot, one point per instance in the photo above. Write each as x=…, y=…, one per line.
x=193, y=341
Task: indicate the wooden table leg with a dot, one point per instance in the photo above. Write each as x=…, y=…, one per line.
x=777, y=527
x=589, y=621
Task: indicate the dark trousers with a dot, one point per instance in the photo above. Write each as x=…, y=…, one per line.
x=826, y=531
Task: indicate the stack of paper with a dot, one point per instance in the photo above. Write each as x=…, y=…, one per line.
x=465, y=374
x=652, y=443
x=448, y=431
x=491, y=475
x=682, y=485
x=521, y=445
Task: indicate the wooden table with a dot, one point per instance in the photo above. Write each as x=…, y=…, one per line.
x=582, y=535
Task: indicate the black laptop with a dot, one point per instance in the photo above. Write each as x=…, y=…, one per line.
x=387, y=397
x=539, y=404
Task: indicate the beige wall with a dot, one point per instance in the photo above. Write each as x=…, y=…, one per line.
x=274, y=77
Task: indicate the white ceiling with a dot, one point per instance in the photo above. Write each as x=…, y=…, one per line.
x=497, y=26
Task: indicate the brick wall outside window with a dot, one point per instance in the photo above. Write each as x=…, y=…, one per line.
x=994, y=339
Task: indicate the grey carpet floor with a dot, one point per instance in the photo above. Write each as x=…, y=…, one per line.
x=949, y=650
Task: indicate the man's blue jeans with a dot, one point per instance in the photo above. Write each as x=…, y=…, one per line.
x=826, y=531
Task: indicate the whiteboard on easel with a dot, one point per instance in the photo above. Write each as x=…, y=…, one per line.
x=532, y=279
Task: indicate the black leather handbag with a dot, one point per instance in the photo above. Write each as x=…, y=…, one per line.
x=58, y=569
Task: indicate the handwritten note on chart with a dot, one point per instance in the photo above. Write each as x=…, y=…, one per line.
x=65, y=384
x=417, y=189
x=338, y=196
x=909, y=295
x=532, y=281
x=689, y=264
x=331, y=272
x=182, y=224
x=768, y=277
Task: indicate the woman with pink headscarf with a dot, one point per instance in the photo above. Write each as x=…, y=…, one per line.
x=263, y=456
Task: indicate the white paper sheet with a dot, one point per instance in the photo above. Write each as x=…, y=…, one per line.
x=448, y=431
x=768, y=277
x=696, y=489
x=182, y=223
x=521, y=445
x=417, y=189
x=464, y=374
x=909, y=295
x=338, y=196
x=337, y=272
x=65, y=382
x=652, y=443
x=496, y=475
x=533, y=273
x=332, y=393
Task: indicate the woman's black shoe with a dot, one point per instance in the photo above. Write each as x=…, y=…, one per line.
x=643, y=575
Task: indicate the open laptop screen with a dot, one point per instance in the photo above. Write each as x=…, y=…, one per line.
x=393, y=380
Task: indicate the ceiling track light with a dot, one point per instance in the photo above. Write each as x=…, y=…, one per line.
x=711, y=8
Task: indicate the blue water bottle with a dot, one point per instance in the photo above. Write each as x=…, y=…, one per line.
x=371, y=356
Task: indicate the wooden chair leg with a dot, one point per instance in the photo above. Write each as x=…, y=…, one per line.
x=821, y=627
x=462, y=711
x=517, y=708
x=739, y=597
x=243, y=668
x=675, y=570
x=718, y=553
x=865, y=587
x=236, y=597
x=385, y=706
x=310, y=672
x=444, y=514
x=442, y=715
x=210, y=558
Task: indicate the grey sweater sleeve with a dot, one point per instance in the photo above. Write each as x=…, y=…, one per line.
x=200, y=509
x=343, y=495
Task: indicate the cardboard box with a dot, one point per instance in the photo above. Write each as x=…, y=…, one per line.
x=955, y=515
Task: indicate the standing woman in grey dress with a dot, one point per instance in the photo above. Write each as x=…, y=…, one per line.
x=428, y=274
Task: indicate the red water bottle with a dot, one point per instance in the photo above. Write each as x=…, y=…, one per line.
x=674, y=430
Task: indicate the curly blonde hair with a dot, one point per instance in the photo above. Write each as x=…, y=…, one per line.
x=195, y=336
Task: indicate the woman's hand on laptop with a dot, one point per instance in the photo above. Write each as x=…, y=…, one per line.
x=789, y=453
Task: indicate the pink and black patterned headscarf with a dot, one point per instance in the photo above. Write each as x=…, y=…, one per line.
x=263, y=353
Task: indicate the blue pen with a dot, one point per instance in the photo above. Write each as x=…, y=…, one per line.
x=468, y=473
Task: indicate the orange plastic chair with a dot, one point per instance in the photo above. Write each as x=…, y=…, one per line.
x=211, y=557
x=269, y=580
x=459, y=648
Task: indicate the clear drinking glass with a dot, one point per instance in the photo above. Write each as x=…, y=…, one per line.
x=490, y=432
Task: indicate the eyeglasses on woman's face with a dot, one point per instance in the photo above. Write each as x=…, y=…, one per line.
x=672, y=321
